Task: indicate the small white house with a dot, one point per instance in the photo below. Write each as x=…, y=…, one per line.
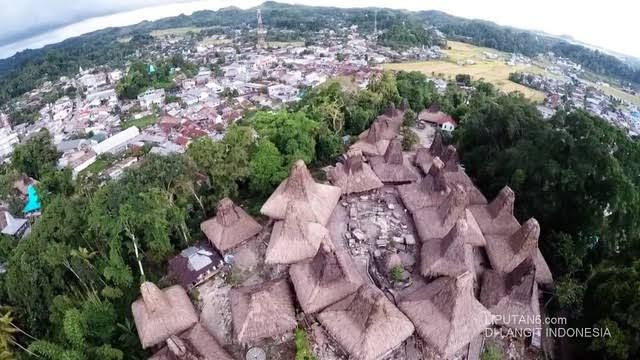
x=151, y=97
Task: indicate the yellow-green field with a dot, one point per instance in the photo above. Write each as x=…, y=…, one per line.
x=619, y=93
x=175, y=31
x=214, y=41
x=493, y=71
x=281, y=44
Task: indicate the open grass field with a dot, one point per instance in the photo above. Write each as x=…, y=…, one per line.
x=281, y=44
x=494, y=71
x=619, y=93
x=214, y=41
x=141, y=123
x=175, y=31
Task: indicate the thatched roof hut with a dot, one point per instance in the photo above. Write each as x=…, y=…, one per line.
x=446, y=314
x=195, y=343
x=436, y=221
x=512, y=297
x=431, y=191
x=317, y=200
x=497, y=217
x=424, y=156
x=385, y=127
x=391, y=167
x=451, y=256
x=374, y=143
x=508, y=251
x=326, y=278
x=158, y=314
x=366, y=324
x=295, y=239
x=230, y=227
x=262, y=311
x=459, y=177
x=450, y=158
x=354, y=175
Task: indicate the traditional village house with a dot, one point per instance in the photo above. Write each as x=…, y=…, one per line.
x=354, y=176
x=497, y=217
x=195, y=264
x=424, y=156
x=262, y=311
x=446, y=314
x=230, y=227
x=391, y=168
x=159, y=314
x=438, y=119
x=450, y=158
x=385, y=127
x=11, y=226
x=295, y=238
x=430, y=191
x=451, y=255
x=512, y=297
x=435, y=222
x=374, y=144
x=317, y=201
x=194, y=344
x=460, y=178
x=506, y=251
x=366, y=324
x=326, y=278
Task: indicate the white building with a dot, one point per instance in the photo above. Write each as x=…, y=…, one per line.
x=151, y=97
x=117, y=142
x=284, y=93
x=8, y=139
x=77, y=160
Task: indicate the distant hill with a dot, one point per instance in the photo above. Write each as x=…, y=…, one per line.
x=23, y=71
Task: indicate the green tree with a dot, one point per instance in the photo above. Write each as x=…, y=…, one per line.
x=417, y=89
x=294, y=134
x=36, y=155
x=267, y=168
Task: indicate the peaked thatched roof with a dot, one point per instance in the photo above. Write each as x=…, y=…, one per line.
x=497, y=217
x=230, y=227
x=508, y=251
x=424, y=156
x=513, y=297
x=317, y=201
x=194, y=344
x=366, y=324
x=162, y=313
x=391, y=168
x=355, y=175
x=295, y=239
x=374, y=142
x=446, y=314
x=450, y=158
x=326, y=278
x=459, y=177
x=451, y=255
x=431, y=191
x=262, y=311
x=385, y=128
x=436, y=221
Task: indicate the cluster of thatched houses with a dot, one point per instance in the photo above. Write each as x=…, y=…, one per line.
x=479, y=261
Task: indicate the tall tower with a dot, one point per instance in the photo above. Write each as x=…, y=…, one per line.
x=261, y=32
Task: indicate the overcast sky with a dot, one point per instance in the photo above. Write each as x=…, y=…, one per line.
x=611, y=24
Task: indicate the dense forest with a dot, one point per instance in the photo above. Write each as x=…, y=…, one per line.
x=24, y=71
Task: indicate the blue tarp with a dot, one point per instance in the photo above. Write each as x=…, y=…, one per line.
x=33, y=203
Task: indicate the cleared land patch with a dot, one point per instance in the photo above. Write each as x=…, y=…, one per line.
x=491, y=70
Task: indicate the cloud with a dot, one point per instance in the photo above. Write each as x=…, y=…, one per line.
x=28, y=18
